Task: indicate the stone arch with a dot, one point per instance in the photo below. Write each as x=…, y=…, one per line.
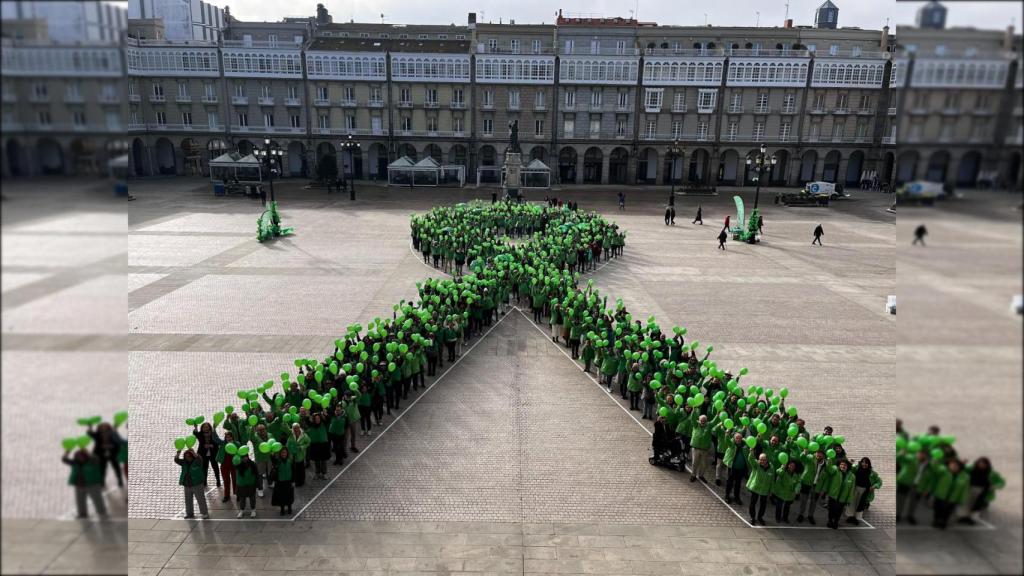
x=618, y=165
x=165, y=161
x=433, y=151
x=567, y=160
x=967, y=171
x=808, y=166
x=854, y=168
x=50, y=155
x=138, y=157
x=728, y=165
x=458, y=155
x=539, y=153
x=777, y=176
x=488, y=155
x=906, y=166
x=83, y=156
x=408, y=150
x=245, y=147
x=647, y=166
x=938, y=166
x=377, y=158
x=830, y=170
x=15, y=157
x=296, y=162
x=697, y=167
x=192, y=156
x=593, y=159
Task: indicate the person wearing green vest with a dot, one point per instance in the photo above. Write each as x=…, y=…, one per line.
x=352, y=418
x=238, y=427
x=840, y=491
x=248, y=478
x=700, y=444
x=87, y=478
x=609, y=366
x=906, y=469
x=588, y=354
x=364, y=402
x=193, y=479
x=812, y=482
x=787, y=481
x=298, y=444
x=759, y=483
x=261, y=459
x=336, y=434
x=556, y=319
x=319, y=448
x=735, y=460
x=868, y=482
x=284, y=489
x=634, y=386
x=951, y=483
x=923, y=480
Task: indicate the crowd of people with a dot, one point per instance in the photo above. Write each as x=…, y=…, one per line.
x=929, y=471
x=504, y=254
x=89, y=467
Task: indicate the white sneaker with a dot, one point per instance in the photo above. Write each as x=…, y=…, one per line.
x=252, y=514
x=240, y=512
x=259, y=493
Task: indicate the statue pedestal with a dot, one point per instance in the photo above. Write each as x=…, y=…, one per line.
x=512, y=174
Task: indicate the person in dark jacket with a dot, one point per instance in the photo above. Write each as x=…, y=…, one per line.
x=699, y=219
x=207, y=447
x=193, y=479
x=818, y=233
x=722, y=237
x=919, y=233
x=107, y=446
x=87, y=478
x=284, y=491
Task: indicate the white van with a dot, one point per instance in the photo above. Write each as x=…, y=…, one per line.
x=821, y=190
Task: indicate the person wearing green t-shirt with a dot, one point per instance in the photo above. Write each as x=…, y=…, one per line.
x=248, y=478
x=352, y=418
x=336, y=434
x=735, y=459
x=319, y=448
x=298, y=446
x=193, y=479
x=839, y=487
x=87, y=478
x=364, y=402
x=759, y=483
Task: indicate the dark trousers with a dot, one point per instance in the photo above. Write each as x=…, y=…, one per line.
x=450, y=346
x=835, y=512
x=206, y=469
x=623, y=381
x=378, y=408
x=364, y=419
x=943, y=511
x=574, y=345
x=782, y=510
x=734, y=482
x=320, y=466
x=391, y=398
x=120, y=479
x=817, y=240
x=634, y=400
x=338, y=445
x=757, y=504
x=431, y=365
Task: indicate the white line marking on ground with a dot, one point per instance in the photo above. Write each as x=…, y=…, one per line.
x=649, y=433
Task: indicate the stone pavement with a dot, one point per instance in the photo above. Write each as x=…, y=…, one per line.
x=959, y=363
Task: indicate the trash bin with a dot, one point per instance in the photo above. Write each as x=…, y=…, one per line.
x=218, y=189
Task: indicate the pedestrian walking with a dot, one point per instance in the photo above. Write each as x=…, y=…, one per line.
x=760, y=224
x=622, y=201
x=672, y=214
x=722, y=236
x=818, y=233
x=263, y=196
x=699, y=219
x=668, y=214
x=726, y=226
x=919, y=233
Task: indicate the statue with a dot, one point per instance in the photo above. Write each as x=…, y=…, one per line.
x=513, y=132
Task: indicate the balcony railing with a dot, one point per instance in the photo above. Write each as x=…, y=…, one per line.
x=586, y=50
x=817, y=110
x=9, y=97
x=265, y=101
x=134, y=98
x=240, y=100
x=348, y=103
x=760, y=110
x=891, y=111
x=73, y=99
x=375, y=103
x=950, y=111
x=981, y=112
x=888, y=140
x=321, y=102
x=679, y=108
x=540, y=107
x=735, y=110
x=183, y=99
x=39, y=98
x=405, y=104
x=670, y=137
x=487, y=106
x=293, y=102
x=210, y=99
x=789, y=109
x=457, y=105
x=652, y=109
x=431, y=104
x=684, y=52
x=865, y=111
x=569, y=107
x=513, y=107
x=840, y=111
x=157, y=98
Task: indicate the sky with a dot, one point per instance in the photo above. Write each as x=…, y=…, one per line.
x=871, y=14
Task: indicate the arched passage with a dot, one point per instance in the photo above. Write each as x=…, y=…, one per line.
x=433, y=151
x=647, y=166
x=830, y=171
x=489, y=160
x=807, y=166
x=138, y=157
x=887, y=168
x=15, y=157
x=727, y=164
x=165, y=164
x=592, y=160
x=458, y=155
x=697, y=170
x=938, y=167
x=618, y=166
x=83, y=156
x=567, y=159
x=327, y=161
x=967, y=172
x=539, y=153
x=854, y=167
x=192, y=156
x=906, y=167
x=777, y=176
x=408, y=150
x=377, y=156
x=51, y=156
x=296, y=159
x=245, y=147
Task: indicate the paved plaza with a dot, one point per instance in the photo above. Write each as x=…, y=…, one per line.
x=513, y=460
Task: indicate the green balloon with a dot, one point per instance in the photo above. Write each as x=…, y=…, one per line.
x=353, y=386
x=70, y=443
x=678, y=399
x=751, y=441
x=243, y=450
x=229, y=409
x=784, y=392
x=663, y=411
x=744, y=420
x=783, y=458
x=914, y=446
x=236, y=460
x=762, y=428
x=937, y=454
x=813, y=446
x=190, y=441
x=306, y=403
x=190, y=422
x=276, y=447
x=264, y=447
x=791, y=410
x=179, y=443
x=741, y=403
x=792, y=431
x=839, y=439
x=830, y=453
x=655, y=384
x=231, y=448
x=801, y=442
x=729, y=424
x=901, y=443
x=253, y=420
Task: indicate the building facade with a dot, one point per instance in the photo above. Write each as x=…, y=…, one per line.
x=600, y=101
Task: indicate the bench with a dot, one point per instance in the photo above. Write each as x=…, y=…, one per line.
x=695, y=189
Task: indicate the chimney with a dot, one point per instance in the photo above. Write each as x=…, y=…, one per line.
x=789, y=23
x=885, y=38
x=1008, y=41
x=472, y=18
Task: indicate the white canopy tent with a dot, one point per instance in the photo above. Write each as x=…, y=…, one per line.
x=426, y=172
x=536, y=174
x=232, y=167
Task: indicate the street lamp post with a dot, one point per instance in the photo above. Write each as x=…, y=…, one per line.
x=759, y=163
x=269, y=156
x=675, y=152
x=351, y=146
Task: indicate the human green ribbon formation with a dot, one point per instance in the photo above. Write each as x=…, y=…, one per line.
x=922, y=464
x=544, y=266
